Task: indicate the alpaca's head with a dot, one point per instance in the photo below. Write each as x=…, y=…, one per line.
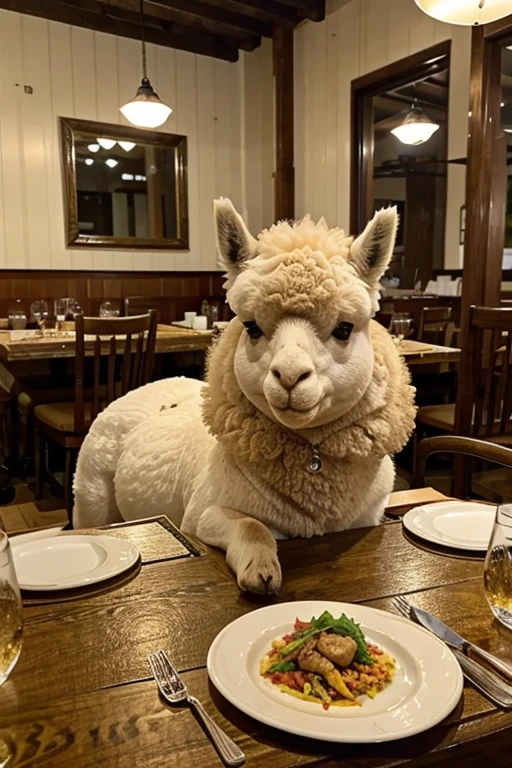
x=305, y=294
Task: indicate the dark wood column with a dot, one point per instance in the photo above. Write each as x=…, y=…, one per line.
x=485, y=200
x=284, y=181
x=486, y=178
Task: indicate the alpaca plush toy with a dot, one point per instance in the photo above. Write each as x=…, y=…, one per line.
x=306, y=400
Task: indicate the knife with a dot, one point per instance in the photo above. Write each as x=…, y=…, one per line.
x=485, y=681
x=454, y=640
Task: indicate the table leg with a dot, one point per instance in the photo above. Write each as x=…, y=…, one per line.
x=25, y=408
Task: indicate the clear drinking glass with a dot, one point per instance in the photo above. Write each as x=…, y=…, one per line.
x=498, y=566
x=64, y=307
x=401, y=324
x=11, y=616
x=39, y=312
x=108, y=309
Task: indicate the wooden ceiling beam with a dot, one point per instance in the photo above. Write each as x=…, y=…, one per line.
x=314, y=10
x=209, y=13
x=162, y=10
x=268, y=11
x=107, y=18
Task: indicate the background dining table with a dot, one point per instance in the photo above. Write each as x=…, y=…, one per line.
x=82, y=695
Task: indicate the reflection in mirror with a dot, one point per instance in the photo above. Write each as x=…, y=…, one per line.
x=126, y=187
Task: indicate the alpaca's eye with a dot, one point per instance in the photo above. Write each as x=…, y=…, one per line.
x=253, y=329
x=343, y=331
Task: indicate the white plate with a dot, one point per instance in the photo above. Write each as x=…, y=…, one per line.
x=65, y=562
x=457, y=524
x=427, y=685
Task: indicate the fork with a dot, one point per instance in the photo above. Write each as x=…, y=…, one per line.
x=174, y=691
x=488, y=683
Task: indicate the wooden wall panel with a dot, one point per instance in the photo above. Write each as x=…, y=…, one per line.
x=75, y=72
x=370, y=35
x=175, y=295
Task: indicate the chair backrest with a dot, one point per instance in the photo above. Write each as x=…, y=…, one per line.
x=126, y=345
x=140, y=305
x=484, y=398
x=436, y=320
x=464, y=446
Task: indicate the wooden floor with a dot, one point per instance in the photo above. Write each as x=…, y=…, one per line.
x=25, y=513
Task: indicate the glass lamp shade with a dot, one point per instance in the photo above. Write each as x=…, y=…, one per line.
x=466, y=12
x=126, y=145
x=106, y=143
x=146, y=110
x=415, y=128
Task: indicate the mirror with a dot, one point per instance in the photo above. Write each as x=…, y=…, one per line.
x=125, y=187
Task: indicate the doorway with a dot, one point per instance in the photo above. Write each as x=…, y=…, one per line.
x=387, y=171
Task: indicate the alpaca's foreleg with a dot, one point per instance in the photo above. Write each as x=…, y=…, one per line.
x=251, y=549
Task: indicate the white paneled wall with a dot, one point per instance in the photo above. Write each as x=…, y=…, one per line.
x=357, y=37
x=75, y=72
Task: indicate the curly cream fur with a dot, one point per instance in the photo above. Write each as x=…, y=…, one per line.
x=228, y=461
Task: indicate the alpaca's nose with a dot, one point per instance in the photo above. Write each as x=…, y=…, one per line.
x=290, y=378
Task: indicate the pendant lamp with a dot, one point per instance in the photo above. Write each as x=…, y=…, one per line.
x=145, y=110
x=466, y=12
x=416, y=127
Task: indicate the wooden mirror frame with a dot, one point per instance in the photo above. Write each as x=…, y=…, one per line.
x=69, y=127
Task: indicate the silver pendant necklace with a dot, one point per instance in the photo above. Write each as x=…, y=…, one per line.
x=314, y=465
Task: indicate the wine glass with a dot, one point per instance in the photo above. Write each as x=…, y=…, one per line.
x=401, y=325
x=498, y=566
x=39, y=312
x=61, y=309
x=74, y=308
x=11, y=617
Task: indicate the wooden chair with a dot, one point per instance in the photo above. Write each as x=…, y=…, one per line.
x=438, y=322
x=483, y=407
x=140, y=305
x=122, y=352
x=461, y=446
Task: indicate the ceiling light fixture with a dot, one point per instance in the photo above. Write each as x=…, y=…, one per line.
x=93, y=147
x=416, y=127
x=466, y=12
x=145, y=110
x=111, y=162
x=126, y=145
x=127, y=176
x=89, y=161
x=106, y=143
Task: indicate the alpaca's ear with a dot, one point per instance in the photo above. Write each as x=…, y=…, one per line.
x=234, y=241
x=371, y=252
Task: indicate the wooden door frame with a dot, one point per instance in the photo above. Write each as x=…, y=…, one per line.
x=397, y=73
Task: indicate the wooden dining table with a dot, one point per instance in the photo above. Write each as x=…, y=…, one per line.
x=82, y=695
x=421, y=353
x=27, y=346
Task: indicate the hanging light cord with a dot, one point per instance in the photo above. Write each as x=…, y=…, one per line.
x=143, y=40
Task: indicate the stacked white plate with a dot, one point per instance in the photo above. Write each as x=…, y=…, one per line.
x=456, y=524
x=70, y=561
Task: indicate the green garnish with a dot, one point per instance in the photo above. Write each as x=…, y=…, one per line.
x=342, y=626
x=282, y=666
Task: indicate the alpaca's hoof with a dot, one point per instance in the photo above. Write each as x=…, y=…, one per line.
x=262, y=575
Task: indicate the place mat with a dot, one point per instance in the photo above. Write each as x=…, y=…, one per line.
x=156, y=539
x=401, y=501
